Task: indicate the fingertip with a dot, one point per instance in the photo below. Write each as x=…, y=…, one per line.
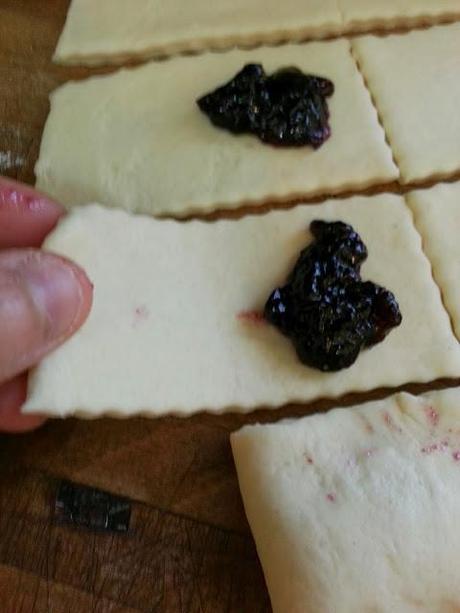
x=45, y=300
x=86, y=296
x=87, y=287
x=26, y=216
x=12, y=397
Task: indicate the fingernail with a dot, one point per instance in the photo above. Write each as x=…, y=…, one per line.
x=55, y=290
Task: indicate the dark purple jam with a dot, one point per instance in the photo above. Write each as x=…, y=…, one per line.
x=325, y=308
x=287, y=109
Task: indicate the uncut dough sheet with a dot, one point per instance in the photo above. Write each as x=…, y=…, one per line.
x=110, y=30
x=165, y=335
x=357, y=510
x=367, y=14
x=138, y=140
x=415, y=83
x=437, y=217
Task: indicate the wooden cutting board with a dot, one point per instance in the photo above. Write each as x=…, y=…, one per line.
x=189, y=549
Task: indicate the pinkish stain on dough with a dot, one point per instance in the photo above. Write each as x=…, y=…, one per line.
x=442, y=446
x=252, y=317
x=331, y=497
x=456, y=456
x=390, y=423
x=308, y=459
x=368, y=453
x=141, y=314
x=367, y=424
x=432, y=415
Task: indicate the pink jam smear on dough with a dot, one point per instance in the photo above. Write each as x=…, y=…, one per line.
x=433, y=416
x=367, y=424
x=252, y=317
x=390, y=423
x=141, y=314
x=442, y=446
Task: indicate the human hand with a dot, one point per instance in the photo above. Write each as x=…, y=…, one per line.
x=44, y=298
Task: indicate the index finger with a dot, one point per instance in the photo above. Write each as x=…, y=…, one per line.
x=26, y=216
x=12, y=397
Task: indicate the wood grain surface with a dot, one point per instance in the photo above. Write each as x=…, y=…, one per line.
x=189, y=549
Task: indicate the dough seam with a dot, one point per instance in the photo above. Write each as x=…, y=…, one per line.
x=433, y=274
x=174, y=50
x=377, y=110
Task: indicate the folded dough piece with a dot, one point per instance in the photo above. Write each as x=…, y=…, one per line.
x=415, y=82
x=111, y=30
x=165, y=335
x=365, y=15
x=138, y=140
x=357, y=510
x=437, y=217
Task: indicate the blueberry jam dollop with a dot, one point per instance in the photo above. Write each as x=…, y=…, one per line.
x=287, y=109
x=328, y=312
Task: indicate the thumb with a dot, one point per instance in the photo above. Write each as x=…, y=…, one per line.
x=43, y=300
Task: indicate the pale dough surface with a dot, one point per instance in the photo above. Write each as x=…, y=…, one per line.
x=104, y=31
x=415, y=82
x=138, y=140
x=357, y=510
x=164, y=334
x=98, y=31
x=365, y=14
x=437, y=216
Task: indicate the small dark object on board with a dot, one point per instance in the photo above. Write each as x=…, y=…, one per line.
x=85, y=507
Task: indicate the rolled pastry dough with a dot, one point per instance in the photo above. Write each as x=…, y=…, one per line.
x=437, y=217
x=357, y=510
x=137, y=139
x=111, y=30
x=104, y=31
x=164, y=334
x=415, y=82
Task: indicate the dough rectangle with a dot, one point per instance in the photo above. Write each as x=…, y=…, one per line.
x=137, y=139
x=437, y=217
x=164, y=334
x=105, y=31
x=357, y=510
x=415, y=82
x=111, y=30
